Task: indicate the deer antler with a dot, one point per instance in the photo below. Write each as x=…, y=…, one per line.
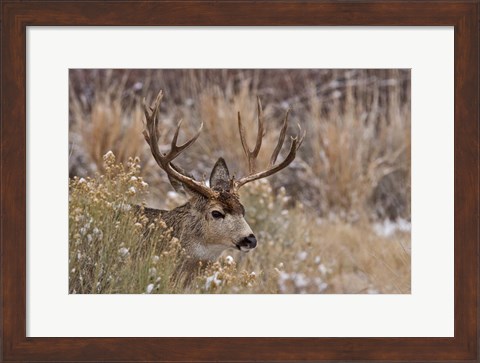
x=252, y=154
x=151, y=134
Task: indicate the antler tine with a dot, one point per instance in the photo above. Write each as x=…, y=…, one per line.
x=151, y=128
x=281, y=139
x=178, y=149
x=175, y=136
x=151, y=113
x=272, y=169
x=151, y=134
x=252, y=154
x=241, y=131
x=300, y=142
x=258, y=143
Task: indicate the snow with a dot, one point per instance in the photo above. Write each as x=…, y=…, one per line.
x=212, y=281
x=173, y=195
x=122, y=206
x=301, y=282
x=137, y=86
x=123, y=252
x=322, y=269
x=388, y=227
x=302, y=256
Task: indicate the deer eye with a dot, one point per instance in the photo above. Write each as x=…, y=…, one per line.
x=217, y=215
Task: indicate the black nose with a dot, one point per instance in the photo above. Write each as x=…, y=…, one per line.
x=249, y=242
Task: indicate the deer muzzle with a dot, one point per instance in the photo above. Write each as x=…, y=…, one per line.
x=247, y=244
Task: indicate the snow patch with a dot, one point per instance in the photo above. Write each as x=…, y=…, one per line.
x=123, y=252
x=387, y=228
x=212, y=281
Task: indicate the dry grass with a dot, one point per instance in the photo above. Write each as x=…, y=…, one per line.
x=355, y=161
x=316, y=221
x=358, y=148
x=107, y=123
x=114, y=251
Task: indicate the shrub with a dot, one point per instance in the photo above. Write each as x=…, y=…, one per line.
x=112, y=249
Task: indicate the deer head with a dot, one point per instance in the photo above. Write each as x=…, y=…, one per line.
x=214, y=218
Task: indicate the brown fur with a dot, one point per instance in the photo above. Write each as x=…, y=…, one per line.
x=198, y=232
x=231, y=203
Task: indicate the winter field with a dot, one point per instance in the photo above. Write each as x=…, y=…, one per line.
x=336, y=220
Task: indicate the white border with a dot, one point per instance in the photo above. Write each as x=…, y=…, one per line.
x=428, y=311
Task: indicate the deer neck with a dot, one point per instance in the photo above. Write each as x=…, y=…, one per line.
x=176, y=218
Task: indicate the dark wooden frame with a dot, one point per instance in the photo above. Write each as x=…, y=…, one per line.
x=16, y=16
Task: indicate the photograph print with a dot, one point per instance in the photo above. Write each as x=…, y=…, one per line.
x=239, y=181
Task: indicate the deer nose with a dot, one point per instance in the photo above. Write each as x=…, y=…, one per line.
x=250, y=241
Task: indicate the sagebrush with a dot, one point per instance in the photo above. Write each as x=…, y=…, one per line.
x=113, y=250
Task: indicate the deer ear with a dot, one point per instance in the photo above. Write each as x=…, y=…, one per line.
x=220, y=177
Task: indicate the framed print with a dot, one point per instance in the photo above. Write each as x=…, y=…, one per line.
x=239, y=181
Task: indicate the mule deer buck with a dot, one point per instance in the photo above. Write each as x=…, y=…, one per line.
x=213, y=219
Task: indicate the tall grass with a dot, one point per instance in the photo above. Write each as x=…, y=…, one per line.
x=354, y=163
x=112, y=249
